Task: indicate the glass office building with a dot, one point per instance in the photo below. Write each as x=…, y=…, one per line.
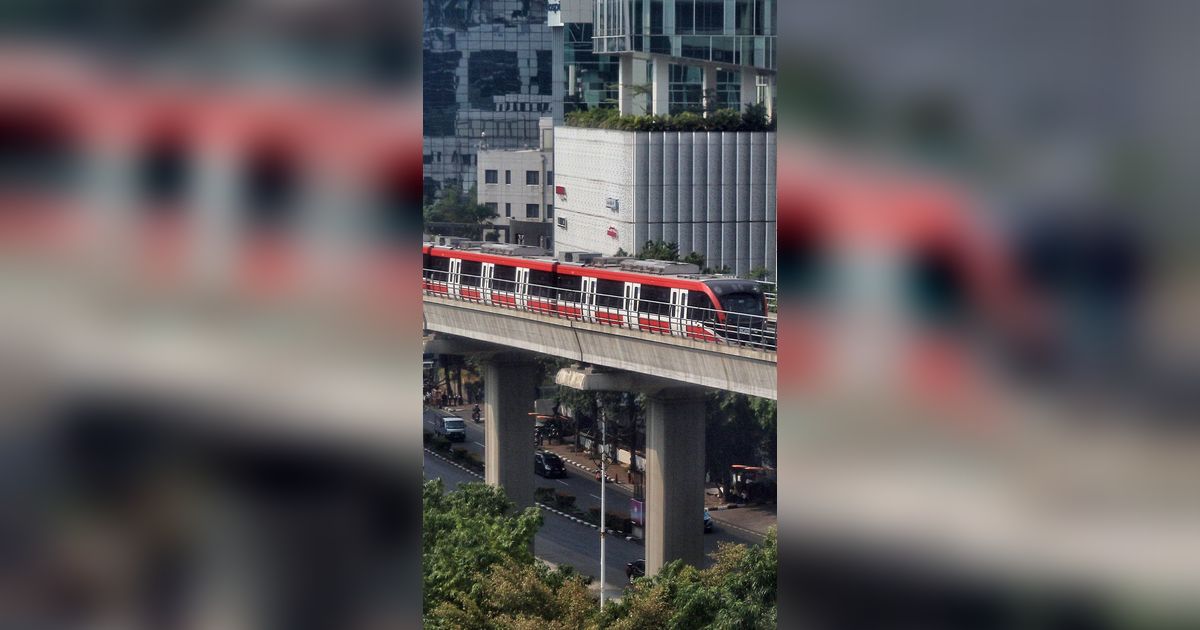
x=591, y=79
x=488, y=76
x=734, y=32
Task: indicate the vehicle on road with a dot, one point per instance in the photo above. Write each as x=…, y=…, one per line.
x=635, y=569
x=548, y=465
x=452, y=428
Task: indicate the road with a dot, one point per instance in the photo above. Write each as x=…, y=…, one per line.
x=563, y=541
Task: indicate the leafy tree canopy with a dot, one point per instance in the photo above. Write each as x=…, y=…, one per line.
x=737, y=591
x=465, y=533
x=456, y=206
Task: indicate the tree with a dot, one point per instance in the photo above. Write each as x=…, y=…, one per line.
x=461, y=210
x=758, y=273
x=465, y=533
x=621, y=252
x=659, y=250
x=737, y=591
x=696, y=258
x=516, y=595
x=735, y=432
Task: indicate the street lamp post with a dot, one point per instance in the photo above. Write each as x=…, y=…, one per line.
x=603, y=476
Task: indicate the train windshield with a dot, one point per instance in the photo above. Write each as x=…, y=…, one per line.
x=745, y=303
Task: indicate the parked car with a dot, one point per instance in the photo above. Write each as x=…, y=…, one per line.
x=708, y=522
x=635, y=569
x=452, y=428
x=548, y=465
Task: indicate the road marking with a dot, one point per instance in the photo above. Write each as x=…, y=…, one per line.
x=483, y=445
x=562, y=482
x=592, y=495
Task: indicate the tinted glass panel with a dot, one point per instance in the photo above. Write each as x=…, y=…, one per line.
x=470, y=272
x=748, y=303
x=610, y=293
x=654, y=300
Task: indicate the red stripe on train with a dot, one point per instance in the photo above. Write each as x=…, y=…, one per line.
x=654, y=324
x=701, y=333
x=610, y=318
x=506, y=300
x=470, y=293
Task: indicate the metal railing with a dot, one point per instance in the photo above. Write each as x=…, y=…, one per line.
x=647, y=316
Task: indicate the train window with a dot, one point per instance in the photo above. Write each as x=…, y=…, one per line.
x=439, y=264
x=540, y=283
x=503, y=278
x=163, y=172
x=935, y=286
x=568, y=287
x=471, y=270
x=610, y=293
x=655, y=300
x=699, y=306
x=271, y=185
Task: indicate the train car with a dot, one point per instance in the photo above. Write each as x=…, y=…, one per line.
x=653, y=296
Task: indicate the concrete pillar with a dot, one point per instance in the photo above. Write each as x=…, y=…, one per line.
x=661, y=86
x=625, y=81
x=674, y=477
x=749, y=88
x=510, y=387
x=709, y=85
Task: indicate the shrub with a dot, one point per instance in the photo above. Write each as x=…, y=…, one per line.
x=440, y=443
x=459, y=453
x=724, y=120
x=689, y=121
x=426, y=437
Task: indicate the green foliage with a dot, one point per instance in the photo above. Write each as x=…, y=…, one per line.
x=739, y=429
x=456, y=206
x=520, y=596
x=696, y=258
x=737, y=591
x=758, y=273
x=621, y=252
x=659, y=250
x=754, y=119
x=465, y=533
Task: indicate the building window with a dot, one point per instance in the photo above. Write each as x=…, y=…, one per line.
x=490, y=177
x=491, y=206
x=562, y=222
x=507, y=177
x=549, y=178
x=427, y=158
x=549, y=211
x=531, y=210
x=531, y=178
x=508, y=209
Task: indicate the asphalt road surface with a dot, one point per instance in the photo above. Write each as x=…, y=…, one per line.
x=563, y=541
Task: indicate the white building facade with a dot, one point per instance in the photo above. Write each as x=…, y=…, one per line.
x=519, y=185
x=709, y=192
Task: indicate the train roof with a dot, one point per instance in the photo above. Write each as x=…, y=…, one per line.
x=619, y=264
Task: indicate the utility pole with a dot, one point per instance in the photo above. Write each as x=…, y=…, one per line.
x=603, y=475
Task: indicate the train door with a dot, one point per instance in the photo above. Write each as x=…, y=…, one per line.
x=522, y=288
x=678, y=306
x=587, y=298
x=487, y=272
x=455, y=280
x=633, y=291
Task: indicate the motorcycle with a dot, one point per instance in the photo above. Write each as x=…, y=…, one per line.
x=476, y=415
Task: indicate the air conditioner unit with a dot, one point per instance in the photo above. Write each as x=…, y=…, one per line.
x=578, y=257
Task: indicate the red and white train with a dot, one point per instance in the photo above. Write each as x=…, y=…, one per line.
x=654, y=296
